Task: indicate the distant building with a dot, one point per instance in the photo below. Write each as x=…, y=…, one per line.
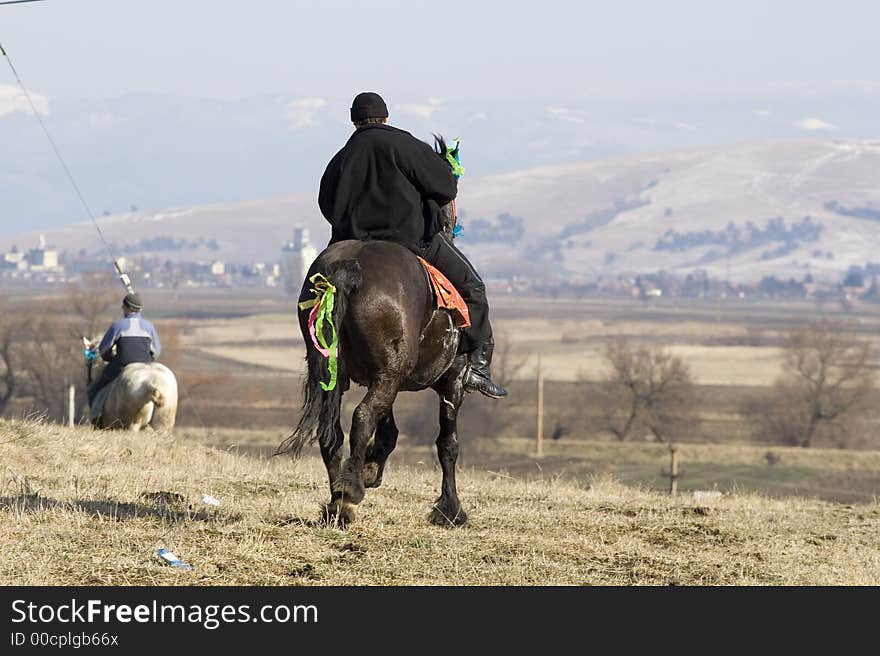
x=296, y=258
x=14, y=259
x=43, y=258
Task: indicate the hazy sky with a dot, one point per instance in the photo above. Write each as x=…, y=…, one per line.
x=525, y=82
x=489, y=49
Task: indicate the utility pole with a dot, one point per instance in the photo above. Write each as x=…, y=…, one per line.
x=540, y=426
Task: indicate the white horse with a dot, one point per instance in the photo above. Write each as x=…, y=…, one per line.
x=144, y=394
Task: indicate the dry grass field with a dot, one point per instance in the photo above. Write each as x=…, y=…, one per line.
x=734, y=344
x=839, y=475
x=571, y=348
x=733, y=349
x=82, y=507
x=79, y=507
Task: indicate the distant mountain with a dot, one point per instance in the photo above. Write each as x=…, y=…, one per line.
x=152, y=152
x=784, y=208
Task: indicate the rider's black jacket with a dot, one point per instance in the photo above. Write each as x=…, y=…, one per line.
x=386, y=184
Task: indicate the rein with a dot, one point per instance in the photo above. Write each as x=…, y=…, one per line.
x=454, y=218
x=453, y=158
x=90, y=356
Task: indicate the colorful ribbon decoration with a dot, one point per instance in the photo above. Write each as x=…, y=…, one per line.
x=453, y=158
x=322, y=310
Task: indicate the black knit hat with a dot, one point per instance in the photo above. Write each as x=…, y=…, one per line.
x=132, y=301
x=368, y=105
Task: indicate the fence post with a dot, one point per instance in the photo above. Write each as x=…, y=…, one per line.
x=540, y=426
x=71, y=405
x=673, y=471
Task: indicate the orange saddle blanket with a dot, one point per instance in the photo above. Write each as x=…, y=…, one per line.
x=447, y=296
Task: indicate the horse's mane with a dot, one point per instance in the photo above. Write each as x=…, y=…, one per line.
x=440, y=145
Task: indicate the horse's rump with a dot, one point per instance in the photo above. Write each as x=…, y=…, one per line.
x=383, y=298
x=392, y=326
x=140, y=392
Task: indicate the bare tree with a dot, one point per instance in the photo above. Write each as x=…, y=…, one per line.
x=491, y=418
x=91, y=300
x=649, y=389
x=49, y=358
x=825, y=384
x=8, y=379
x=41, y=352
x=506, y=363
x=172, y=352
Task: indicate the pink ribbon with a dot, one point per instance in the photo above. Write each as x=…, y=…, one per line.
x=312, y=319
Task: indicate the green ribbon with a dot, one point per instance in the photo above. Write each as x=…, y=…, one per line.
x=324, y=299
x=453, y=158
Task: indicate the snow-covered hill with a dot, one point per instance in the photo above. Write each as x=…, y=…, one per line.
x=783, y=207
x=778, y=207
x=155, y=151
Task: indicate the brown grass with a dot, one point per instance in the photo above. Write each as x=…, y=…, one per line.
x=80, y=507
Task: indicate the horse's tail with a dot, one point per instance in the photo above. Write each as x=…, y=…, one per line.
x=157, y=397
x=321, y=410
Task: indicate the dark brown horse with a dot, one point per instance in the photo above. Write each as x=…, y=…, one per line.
x=391, y=339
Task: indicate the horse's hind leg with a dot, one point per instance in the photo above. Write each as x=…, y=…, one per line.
x=332, y=454
x=142, y=419
x=379, y=449
x=447, y=510
x=163, y=419
x=348, y=488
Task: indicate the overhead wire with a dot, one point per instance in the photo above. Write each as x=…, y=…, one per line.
x=123, y=277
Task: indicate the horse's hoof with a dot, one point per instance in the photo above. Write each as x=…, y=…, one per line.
x=441, y=516
x=372, y=474
x=350, y=486
x=339, y=512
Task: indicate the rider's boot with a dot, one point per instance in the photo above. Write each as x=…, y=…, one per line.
x=479, y=378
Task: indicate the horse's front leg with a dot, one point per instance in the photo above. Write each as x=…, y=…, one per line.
x=379, y=449
x=447, y=510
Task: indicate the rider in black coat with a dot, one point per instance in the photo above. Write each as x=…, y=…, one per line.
x=386, y=184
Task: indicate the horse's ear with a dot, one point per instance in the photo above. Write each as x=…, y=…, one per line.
x=86, y=342
x=440, y=145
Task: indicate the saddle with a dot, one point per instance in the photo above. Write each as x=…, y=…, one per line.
x=447, y=296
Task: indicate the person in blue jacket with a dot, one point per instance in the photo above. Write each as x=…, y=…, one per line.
x=130, y=339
